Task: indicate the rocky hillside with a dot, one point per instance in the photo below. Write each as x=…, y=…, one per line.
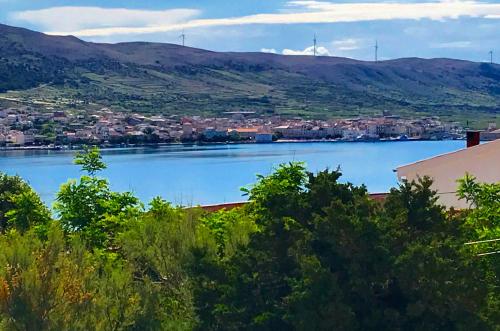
x=169, y=78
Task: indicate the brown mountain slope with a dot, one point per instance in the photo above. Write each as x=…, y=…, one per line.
x=171, y=78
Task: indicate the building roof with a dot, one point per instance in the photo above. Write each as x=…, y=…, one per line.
x=482, y=161
x=248, y=130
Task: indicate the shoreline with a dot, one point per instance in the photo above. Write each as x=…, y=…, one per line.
x=201, y=143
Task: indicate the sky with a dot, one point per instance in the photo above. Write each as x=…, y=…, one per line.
x=463, y=29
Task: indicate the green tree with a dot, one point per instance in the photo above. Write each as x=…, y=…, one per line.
x=89, y=206
x=20, y=206
x=327, y=257
x=484, y=200
x=9, y=186
x=90, y=159
x=483, y=227
x=28, y=211
x=159, y=245
x=230, y=229
x=249, y=290
x=435, y=284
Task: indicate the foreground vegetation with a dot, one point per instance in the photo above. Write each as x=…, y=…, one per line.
x=307, y=253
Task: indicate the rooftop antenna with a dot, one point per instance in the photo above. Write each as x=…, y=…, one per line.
x=491, y=56
x=314, y=44
x=376, y=50
x=183, y=37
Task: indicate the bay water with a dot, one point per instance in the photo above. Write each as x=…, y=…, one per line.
x=208, y=174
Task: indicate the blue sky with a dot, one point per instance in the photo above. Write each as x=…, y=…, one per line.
x=466, y=29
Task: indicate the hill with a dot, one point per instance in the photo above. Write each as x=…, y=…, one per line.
x=155, y=77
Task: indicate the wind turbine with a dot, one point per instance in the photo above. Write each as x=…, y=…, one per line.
x=183, y=37
x=314, y=50
x=491, y=56
x=376, y=50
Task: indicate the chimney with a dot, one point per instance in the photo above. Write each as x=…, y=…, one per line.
x=473, y=138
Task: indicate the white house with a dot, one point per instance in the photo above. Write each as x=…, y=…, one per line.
x=481, y=161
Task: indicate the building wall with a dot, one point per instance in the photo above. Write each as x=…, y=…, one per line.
x=482, y=161
x=264, y=137
x=493, y=135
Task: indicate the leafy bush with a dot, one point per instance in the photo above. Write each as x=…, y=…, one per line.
x=20, y=207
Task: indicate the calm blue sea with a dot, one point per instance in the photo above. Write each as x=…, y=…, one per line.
x=191, y=175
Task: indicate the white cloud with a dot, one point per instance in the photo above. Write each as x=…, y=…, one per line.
x=68, y=19
x=453, y=44
x=85, y=22
x=349, y=44
x=268, y=50
x=320, y=51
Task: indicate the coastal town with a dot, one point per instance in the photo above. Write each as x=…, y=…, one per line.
x=28, y=127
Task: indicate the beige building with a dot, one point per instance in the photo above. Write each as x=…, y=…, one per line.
x=490, y=135
x=15, y=138
x=482, y=161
